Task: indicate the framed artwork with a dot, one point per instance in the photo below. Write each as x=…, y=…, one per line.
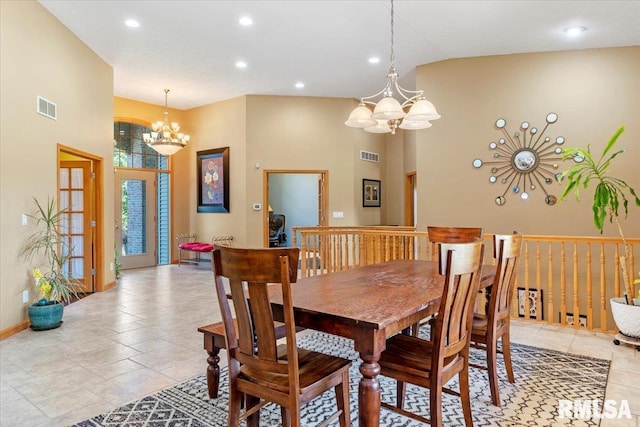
x=213, y=180
x=535, y=303
x=371, y=194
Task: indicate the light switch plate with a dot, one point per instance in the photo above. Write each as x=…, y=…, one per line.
x=257, y=206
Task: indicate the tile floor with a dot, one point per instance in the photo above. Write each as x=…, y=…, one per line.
x=141, y=337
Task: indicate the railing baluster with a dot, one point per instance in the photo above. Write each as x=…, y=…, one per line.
x=563, y=285
x=550, y=283
x=538, y=276
x=603, y=289
x=616, y=276
x=527, y=304
x=576, y=294
x=589, y=290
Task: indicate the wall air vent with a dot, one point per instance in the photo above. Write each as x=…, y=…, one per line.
x=369, y=156
x=47, y=108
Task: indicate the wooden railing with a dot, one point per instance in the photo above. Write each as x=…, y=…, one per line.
x=563, y=280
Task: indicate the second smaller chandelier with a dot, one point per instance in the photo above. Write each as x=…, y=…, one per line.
x=389, y=113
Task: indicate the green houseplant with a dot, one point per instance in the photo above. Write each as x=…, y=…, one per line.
x=610, y=195
x=610, y=192
x=47, y=246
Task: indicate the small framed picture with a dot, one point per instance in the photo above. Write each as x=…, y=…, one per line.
x=371, y=193
x=535, y=303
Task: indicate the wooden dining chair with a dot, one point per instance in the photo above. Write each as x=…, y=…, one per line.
x=438, y=235
x=261, y=370
x=431, y=364
x=488, y=329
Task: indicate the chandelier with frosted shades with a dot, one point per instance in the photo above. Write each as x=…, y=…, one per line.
x=166, y=137
x=389, y=113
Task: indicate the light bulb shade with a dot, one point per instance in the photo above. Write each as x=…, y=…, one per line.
x=360, y=117
x=381, y=127
x=388, y=109
x=166, y=148
x=422, y=111
x=412, y=125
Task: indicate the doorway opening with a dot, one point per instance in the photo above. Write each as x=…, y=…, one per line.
x=293, y=198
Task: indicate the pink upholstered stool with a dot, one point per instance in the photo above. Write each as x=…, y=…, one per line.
x=197, y=247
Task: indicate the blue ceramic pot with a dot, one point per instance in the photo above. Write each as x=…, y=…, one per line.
x=45, y=315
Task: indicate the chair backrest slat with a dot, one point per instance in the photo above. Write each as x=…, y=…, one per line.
x=454, y=234
x=439, y=235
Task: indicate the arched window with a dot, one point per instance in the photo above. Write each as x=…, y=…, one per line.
x=130, y=150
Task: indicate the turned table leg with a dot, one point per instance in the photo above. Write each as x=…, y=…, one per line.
x=369, y=391
x=213, y=372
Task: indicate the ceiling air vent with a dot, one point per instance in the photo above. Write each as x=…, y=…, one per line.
x=369, y=156
x=47, y=108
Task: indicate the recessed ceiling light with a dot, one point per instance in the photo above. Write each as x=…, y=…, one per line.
x=245, y=21
x=241, y=64
x=574, y=31
x=131, y=23
x=374, y=60
x=299, y=85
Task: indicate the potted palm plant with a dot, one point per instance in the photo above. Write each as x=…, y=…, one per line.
x=47, y=247
x=611, y=194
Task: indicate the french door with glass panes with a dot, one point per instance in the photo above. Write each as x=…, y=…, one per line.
x=76, y=224
x=135, y=203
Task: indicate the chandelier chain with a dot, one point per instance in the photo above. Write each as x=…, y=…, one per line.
x=392, y=55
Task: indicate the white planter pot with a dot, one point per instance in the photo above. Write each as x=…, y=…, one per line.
x=627, y=317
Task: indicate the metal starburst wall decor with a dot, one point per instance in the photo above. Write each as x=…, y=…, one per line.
x=525, y=161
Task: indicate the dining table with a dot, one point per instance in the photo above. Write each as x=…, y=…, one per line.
x=368, y=304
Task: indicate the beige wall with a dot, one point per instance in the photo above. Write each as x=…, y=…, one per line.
x=218, y=125
x=39, y=56
x=303, y=133
x=592, y=91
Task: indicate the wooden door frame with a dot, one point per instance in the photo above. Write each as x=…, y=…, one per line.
x=408, y=198
x=96, y=193
x=324, y=189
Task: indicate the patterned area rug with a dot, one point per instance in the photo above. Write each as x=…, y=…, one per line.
x=542, y=378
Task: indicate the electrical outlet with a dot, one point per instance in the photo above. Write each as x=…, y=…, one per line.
x=338, y=214
x=25, y=296
x=111, y=266
x=25, y=219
